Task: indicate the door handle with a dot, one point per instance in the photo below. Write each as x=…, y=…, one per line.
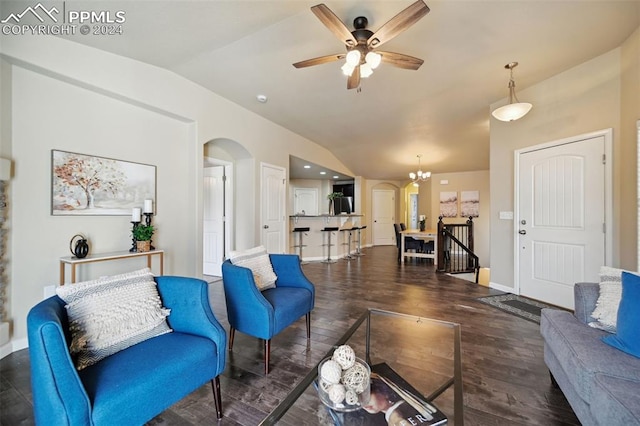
x=522, y=232
x=266, y=226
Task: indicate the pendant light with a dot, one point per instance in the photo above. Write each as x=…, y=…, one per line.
x=512, y=111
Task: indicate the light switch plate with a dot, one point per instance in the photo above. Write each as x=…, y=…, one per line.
x=506, y=215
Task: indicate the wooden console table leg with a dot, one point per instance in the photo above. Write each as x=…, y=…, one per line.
x=161, y=263
x=73, y=273
x=62, y=266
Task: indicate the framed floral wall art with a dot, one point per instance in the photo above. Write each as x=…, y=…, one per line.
x=448, y=204
x=89, y=185
x=469, y=203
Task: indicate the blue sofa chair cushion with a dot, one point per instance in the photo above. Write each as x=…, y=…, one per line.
x=114, y=385
x=627, y=337
x=289, y=304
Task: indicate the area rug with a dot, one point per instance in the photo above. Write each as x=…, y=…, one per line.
x=517, y=305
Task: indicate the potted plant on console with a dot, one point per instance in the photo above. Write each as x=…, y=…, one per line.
x=142, y=234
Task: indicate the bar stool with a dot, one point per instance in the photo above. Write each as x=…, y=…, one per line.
x=330, y=230
x=348, y=243
x=300, y=232
x=359, y=241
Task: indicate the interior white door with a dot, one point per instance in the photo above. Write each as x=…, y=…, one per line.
x=305, y=201
x=561, y=219
x=383, y=213
x=213, y=221
x=273, y=180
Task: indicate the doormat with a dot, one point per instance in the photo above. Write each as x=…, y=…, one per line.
x=517, y=305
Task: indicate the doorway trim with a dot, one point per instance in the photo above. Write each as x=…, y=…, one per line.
x=607, y=134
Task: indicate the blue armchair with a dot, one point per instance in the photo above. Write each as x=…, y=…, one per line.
x=265, y=314
x=136, y=384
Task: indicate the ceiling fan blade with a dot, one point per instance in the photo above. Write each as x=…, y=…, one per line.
x=335, y=25
x=319, y=61
x=400, y=60
x=354, y=79
x=398, y=23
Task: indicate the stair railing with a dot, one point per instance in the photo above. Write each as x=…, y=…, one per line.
x=455, y=248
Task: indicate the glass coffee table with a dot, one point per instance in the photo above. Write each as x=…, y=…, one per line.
x=421, y=354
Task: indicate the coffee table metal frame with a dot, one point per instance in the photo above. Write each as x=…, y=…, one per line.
x=455, y=381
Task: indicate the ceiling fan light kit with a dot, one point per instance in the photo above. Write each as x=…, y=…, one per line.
x=360, y=59
x=513, y=110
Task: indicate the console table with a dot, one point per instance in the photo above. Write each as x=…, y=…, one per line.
x=74, y=261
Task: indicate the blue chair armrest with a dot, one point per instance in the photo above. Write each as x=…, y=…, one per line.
x=188, y=299
x=247, y=309
x=59, y=396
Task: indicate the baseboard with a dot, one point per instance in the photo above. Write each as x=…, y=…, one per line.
x=13, y=346
x=501, y=287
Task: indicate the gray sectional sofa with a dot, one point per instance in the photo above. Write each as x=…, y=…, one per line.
x=601, y=383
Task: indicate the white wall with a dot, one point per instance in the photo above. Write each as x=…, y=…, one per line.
x=71, y=97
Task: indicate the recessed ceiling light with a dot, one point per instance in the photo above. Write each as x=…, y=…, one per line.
x=323, y=173
x=307, y=166
x=262, y=99
x=336, y=177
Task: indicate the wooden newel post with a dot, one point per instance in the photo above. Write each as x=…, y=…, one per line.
x=440, y=244
x=470, y=262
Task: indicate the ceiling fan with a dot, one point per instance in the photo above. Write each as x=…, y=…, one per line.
x=361, y=57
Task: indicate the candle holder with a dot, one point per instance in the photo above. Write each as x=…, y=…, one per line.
x=147, y=221
x=133, y=248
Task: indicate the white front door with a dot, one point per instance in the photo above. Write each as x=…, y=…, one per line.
x=213, y=221
x=561, y=218
x=273, y=180
x=384, y=214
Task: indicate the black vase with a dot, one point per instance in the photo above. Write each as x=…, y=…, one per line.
x=81, y=248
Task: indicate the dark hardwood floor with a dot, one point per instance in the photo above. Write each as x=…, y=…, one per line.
x=505, y=378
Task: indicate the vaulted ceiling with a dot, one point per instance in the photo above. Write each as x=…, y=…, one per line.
x=240, y=49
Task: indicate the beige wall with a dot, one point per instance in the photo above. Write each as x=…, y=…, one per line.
x=61, y=95
x=465, y=181
x=578, y=101
x=629, y=114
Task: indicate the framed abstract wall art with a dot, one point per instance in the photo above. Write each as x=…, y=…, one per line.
x=448, y=204
x=469, y=203
x=89, y=185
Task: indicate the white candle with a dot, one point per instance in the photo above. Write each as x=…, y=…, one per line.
x=135, y=217
x=148, y=206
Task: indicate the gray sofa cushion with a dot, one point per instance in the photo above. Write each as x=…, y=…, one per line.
x=582, y=354
x=618, y=401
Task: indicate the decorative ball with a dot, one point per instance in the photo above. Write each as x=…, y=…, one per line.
x=331, y=372
x=345, y=356
x=337, y=393
x=356, y=378
x=324, y=385
x=351, y=397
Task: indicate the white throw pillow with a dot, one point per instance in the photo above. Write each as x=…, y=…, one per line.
x=112, y=313
x=606, y=311
x=256, y=259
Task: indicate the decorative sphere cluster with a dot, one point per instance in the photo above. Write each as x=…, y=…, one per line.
x=342, y=378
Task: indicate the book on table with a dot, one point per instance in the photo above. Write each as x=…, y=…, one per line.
x=393, y=402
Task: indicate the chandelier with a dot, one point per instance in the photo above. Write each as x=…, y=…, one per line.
x=367, y=64
x=419, y=176
x=512, y=111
